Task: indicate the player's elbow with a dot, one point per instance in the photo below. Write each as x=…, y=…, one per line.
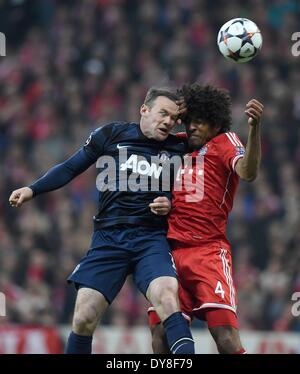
x=249, y=177
x=246, y=172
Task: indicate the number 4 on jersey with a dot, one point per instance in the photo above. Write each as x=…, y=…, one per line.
x=220, y=290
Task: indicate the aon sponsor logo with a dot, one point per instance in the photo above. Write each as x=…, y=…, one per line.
x=141, y=166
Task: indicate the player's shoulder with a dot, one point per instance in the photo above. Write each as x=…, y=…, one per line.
x=110, y=129
x=105, y=133
x=227, y=139
x=111, y=126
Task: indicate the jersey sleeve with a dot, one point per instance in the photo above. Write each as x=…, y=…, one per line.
x=63, y=173
x=232, y=150
x=181, y=135
x=96, y=143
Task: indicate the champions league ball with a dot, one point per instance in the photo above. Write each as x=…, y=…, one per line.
x=239, y=40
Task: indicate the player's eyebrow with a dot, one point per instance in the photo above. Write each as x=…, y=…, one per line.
x=198, y=120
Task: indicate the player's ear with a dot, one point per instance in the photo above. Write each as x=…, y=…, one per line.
x=144, y=109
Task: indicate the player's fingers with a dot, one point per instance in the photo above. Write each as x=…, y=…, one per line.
x=19, y=202
x=154, y=211
x=257, y=102
x=161, y=199
x=180, y=101
x=181, y=106
x=256, y=105
x=256, y=110
x=13, y=196
x=181, y=110
x=159, y=205
x=155, y=206
x=257, y=114
x=252, y=113
x=13, y=199
x=248, y=114
x=13, y=203
x=160, y=211
x=164, y=201
x=161, y=208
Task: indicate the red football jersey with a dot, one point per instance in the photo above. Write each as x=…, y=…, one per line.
x=204, y=192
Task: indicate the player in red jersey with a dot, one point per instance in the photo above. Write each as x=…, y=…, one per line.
x=197, y=223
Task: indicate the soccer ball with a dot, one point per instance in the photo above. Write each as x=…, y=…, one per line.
x=239, y=40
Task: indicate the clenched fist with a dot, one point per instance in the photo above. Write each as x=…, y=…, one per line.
x=254, y=110
x=161, y=206
x=20, y=196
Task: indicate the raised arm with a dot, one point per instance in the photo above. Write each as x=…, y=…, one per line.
x=247, y=167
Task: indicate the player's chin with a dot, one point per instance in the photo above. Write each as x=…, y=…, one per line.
x=195, y=142
x=161, y=135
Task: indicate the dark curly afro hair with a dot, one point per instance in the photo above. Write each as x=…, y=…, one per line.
x=207, y=103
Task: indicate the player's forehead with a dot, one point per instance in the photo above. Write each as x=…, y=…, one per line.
x=164, y=103
x=197, y=121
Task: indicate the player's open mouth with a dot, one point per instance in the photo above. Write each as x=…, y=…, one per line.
x=164, y=131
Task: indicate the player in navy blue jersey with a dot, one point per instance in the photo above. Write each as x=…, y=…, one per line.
x=130, y=225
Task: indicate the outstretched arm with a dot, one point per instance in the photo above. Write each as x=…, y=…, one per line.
x=55, y=178
x=247, y=167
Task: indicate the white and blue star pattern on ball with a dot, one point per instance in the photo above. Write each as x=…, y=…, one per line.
x=239, y=40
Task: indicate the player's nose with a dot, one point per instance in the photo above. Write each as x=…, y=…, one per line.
x=169, y=122
x=191, y=127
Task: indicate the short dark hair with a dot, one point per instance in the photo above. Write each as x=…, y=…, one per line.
x=207, y=103
x=154, y=93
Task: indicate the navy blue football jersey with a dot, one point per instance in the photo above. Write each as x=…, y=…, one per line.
x=133, y=171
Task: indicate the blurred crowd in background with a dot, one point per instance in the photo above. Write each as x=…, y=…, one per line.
x=72, y=66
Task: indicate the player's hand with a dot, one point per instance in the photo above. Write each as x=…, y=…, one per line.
x=161, y=206
x=181, y=110
x=254, y=110
x=20, y=196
